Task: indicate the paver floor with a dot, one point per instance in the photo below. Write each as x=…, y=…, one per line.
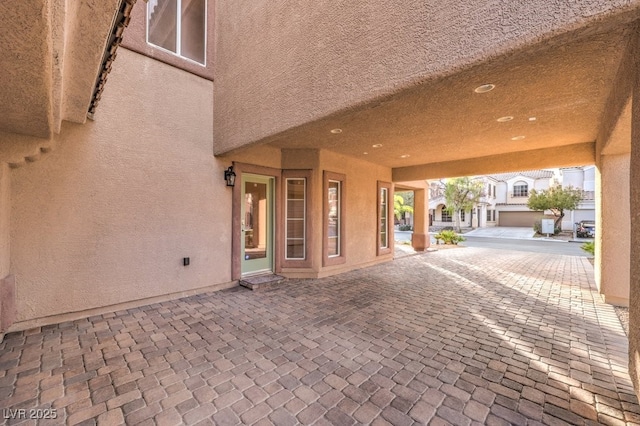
x=463, y=336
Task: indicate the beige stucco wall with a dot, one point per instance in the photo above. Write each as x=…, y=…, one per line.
x=360, y=211
x=634, y=303
x=5, y=214
x=109, y=214
x=280, y=64
x=613, y=229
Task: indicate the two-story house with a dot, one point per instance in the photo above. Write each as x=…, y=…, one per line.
x=504, y=200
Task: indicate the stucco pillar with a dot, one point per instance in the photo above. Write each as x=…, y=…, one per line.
x=634, y=298
x=7, y=284
x=420, y=238
x=5, y=212
x=613, y=241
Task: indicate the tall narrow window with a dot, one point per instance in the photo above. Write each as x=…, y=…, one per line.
x=384, y=225
x=385, y=218
x=333, y=229
x=295, y=219
x=178, y=26
x=333, y=211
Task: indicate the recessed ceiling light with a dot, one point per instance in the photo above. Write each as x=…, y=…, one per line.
x=517, y=138
x=405, y=156
x=485, y=88
x=365, y=153
x=532, y=118
x=336, y=131
x=505, y=119
x=378, y=145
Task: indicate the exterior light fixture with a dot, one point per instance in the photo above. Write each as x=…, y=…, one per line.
x=378, y=145
x=505, y=119
x=485, y=88
x=517, y=138
x=336, y=131
x=404, y=156
x=230, y=176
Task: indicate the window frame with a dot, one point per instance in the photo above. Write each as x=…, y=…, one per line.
x=308, y=209
x=519, y=192
x=341, y=257
x=443, y=212
x=177, y=53
x=380, y=250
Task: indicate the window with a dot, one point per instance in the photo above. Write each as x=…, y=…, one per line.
x=334, y=218
x=446, y=216
x=520, y=189
x=385, y=216
x=491, y=215
x=462, y=215
x=295, y=217
x=333, y=242
x=178, y=26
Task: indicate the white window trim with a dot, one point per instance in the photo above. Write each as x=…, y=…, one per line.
x=179, y=33
x=338, y=237
x=304, y=220
x=385, y=218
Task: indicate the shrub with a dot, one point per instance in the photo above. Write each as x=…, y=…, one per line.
x=405, y=228
x=589, y=247
x=448, y=237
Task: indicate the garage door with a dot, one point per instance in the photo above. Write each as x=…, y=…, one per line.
x=523, y=219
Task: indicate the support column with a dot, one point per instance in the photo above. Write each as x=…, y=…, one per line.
x=420, y=238
x=613, y=241
x=634, y=297
x=7, y=284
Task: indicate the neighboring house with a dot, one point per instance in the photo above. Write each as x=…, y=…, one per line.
x=582, y=178
x=504, y=202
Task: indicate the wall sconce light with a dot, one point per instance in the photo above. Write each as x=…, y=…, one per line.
x=230, y=176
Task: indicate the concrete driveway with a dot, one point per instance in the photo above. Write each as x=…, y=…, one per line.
x=502, y=232
x=461, y=336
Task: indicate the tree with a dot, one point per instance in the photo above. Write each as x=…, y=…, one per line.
x=461, y=194
x=557, y=199
x=400, y=207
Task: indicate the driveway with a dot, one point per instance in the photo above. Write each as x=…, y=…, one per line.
x=472, y=336
x=502, y=232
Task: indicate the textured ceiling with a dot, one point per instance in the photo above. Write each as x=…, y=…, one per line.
x=564, y=83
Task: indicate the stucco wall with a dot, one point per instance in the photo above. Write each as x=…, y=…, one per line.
x=634, y=217
x=280, y=64
x=109, y=214
x=361, y=208
x=613, y=228
x=5, y=214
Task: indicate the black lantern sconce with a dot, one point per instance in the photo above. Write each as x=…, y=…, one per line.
x=230, y=176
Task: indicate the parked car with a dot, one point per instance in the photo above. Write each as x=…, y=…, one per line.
x=586, y=229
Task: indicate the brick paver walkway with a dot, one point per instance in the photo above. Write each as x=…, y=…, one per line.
x=463, y=336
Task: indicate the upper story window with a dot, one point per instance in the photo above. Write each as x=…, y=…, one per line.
x=520, y=189
x=178, y=26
